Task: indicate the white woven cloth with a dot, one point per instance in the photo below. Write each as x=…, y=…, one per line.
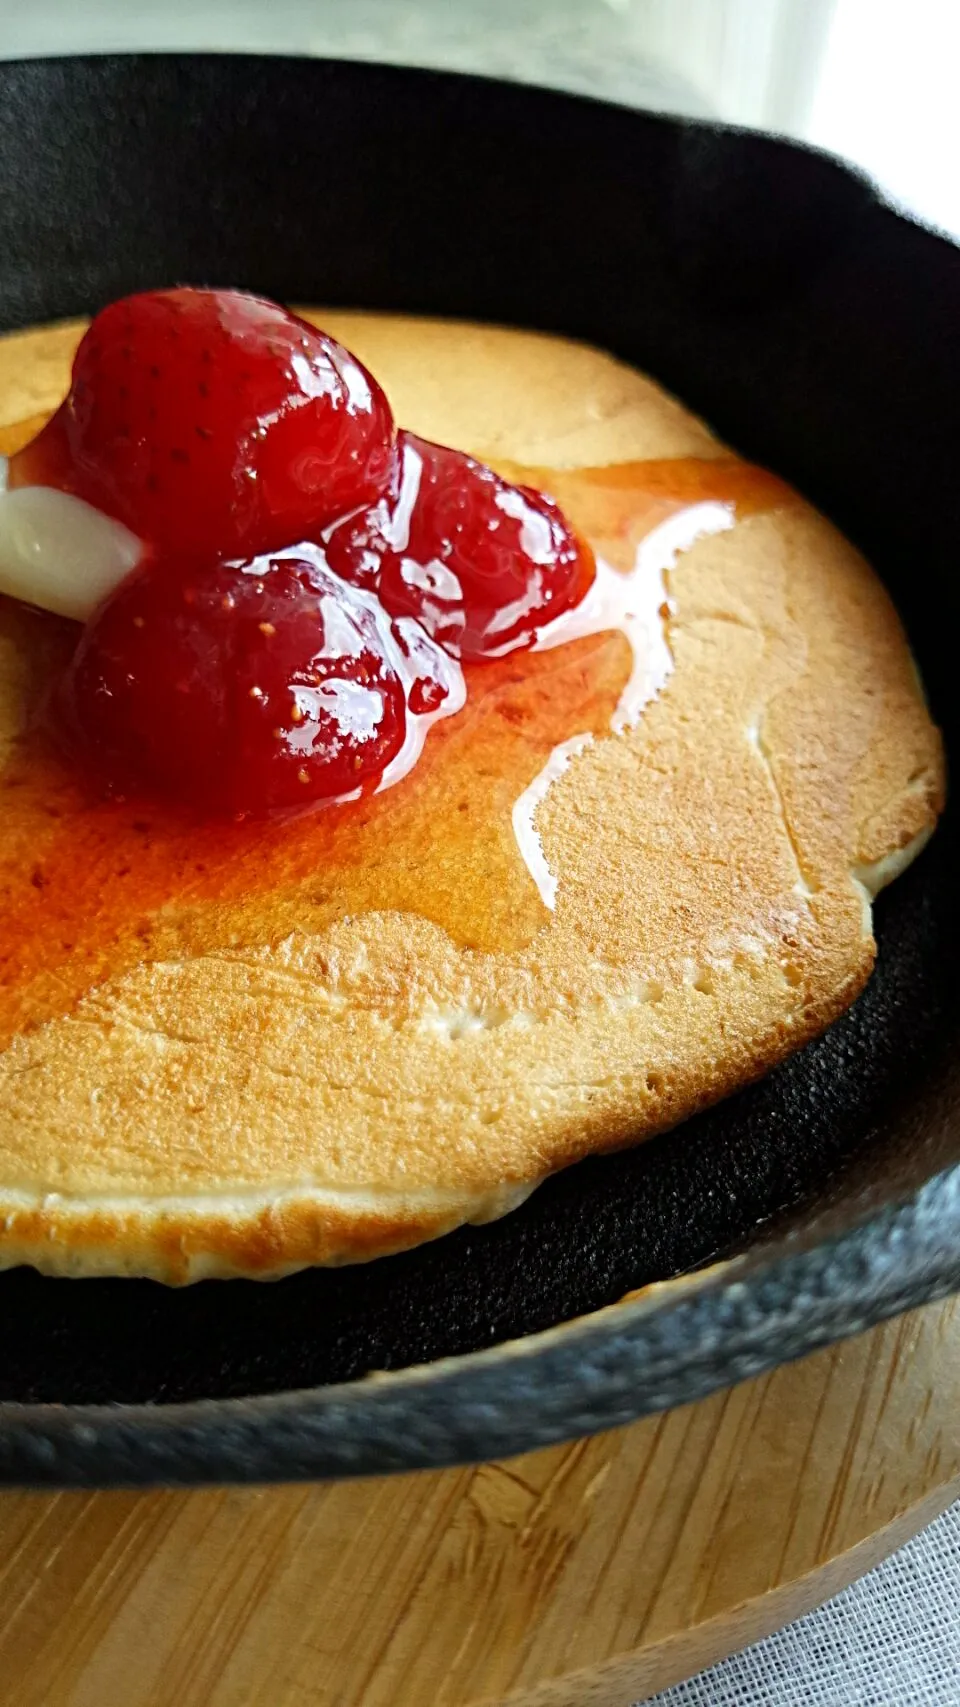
x=890, y=1640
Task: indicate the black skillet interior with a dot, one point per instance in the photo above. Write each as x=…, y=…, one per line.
x=768, y=287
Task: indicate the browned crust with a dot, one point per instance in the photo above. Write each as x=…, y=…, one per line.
x=310, y=1100
x=182, y=1243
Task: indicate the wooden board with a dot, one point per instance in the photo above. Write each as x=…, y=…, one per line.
x=587, y=1574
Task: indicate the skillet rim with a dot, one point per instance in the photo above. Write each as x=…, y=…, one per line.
x=713, y=1328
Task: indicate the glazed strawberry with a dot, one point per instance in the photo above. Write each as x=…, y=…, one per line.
x=309, y=578
x=242, y=688
x=482, y=564
x=212, y=421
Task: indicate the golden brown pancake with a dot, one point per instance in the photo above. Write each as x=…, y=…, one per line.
x=235, y=1051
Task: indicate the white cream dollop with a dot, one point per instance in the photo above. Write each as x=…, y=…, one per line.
x=59, y=552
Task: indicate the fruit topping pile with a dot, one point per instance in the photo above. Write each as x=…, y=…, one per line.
x=311, y=578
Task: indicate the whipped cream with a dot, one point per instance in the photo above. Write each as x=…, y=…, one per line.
x=59, y=552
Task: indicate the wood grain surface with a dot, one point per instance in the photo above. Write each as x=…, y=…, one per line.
x=587, y=1574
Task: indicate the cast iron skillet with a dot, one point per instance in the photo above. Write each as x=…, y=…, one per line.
x=820, y=333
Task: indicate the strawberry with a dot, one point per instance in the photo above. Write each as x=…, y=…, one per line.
x=483, y=565
x=211, y=421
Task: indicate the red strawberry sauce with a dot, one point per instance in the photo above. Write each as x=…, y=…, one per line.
x=311, y=578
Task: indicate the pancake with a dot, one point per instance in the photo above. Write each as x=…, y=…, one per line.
x=229, y=1051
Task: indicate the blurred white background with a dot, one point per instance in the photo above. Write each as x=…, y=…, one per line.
x=873, y=79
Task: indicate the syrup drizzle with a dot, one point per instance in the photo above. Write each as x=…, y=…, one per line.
x=90, y=888
x=637, y=604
